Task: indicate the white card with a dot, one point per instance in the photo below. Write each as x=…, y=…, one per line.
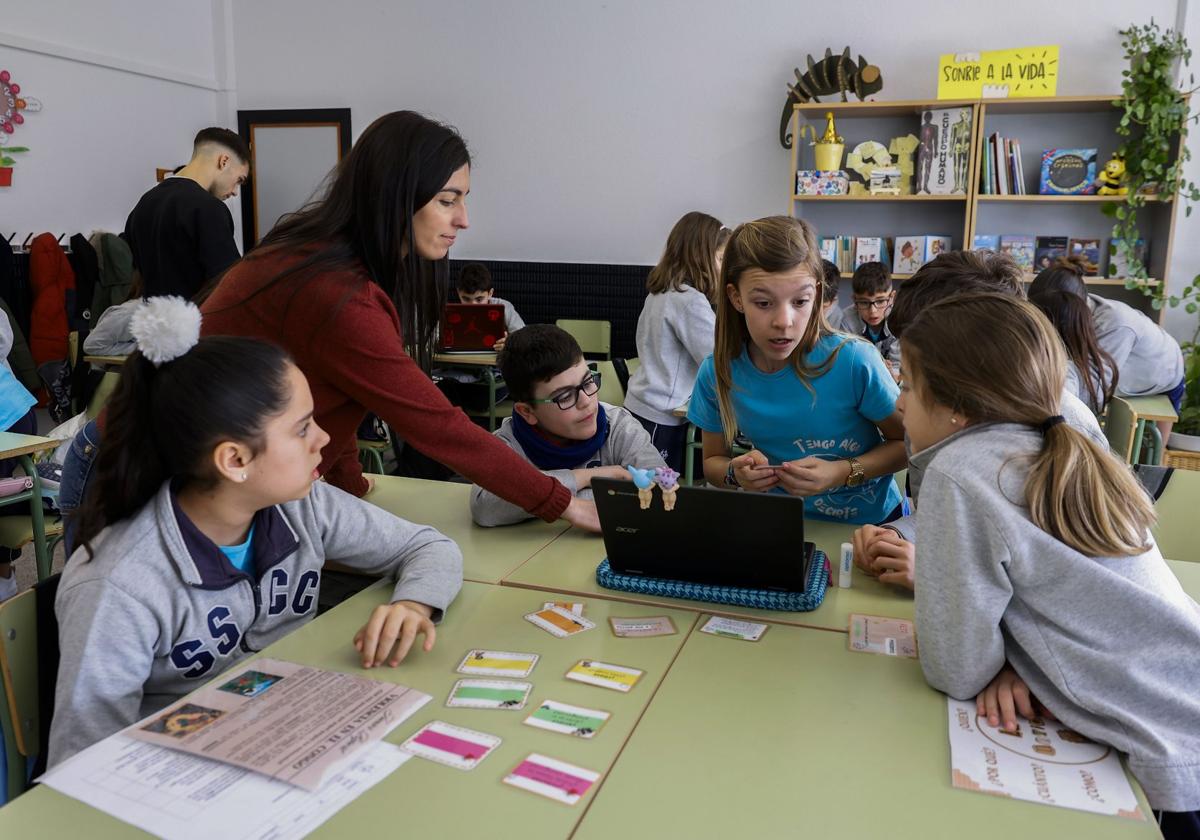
x=559, y=622
x=489, y=694
x=453, y=746
x=568, y=720
x=746, y=630
x=574, y=606
x=557, y=780
x=497, y=663
x=616, y=677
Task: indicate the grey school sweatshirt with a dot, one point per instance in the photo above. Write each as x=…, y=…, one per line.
x=1148, y=359
x=512, y=320
x=627, y=444
x=1073, y=410
x=1108, y=644
x=887, y=344
x=675, y=332
x=160, y=610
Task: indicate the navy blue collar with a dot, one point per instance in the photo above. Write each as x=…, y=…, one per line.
x=273, y=541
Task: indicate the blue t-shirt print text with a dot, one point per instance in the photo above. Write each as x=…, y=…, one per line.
x=834, y=420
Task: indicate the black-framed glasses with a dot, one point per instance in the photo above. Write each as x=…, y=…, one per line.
x=878, y=303
x=566, y=398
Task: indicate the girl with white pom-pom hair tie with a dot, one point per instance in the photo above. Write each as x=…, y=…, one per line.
x=205, y=530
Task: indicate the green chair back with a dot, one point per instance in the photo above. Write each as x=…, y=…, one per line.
x=1120, y=426
x=594, y=337
x=611, y=391
x=19, y=668
x=1176, y=508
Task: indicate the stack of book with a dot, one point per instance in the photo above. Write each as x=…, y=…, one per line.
x=1003, y=173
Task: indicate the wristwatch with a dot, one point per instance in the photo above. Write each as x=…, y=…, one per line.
x=857, y=473
x=730, y=478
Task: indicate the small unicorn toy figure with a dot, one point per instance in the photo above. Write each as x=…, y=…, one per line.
x=668, y=480
x=644, y=481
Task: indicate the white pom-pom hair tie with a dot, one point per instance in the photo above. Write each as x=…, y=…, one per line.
x=165, y=328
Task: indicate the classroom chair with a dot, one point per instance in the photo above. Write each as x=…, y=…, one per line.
x=594, y=337
x=1120, y=427
x=108, y=384
x=611, y=390
x=29, y=669
x=1176, y=501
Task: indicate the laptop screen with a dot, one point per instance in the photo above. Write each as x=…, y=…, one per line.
x=471, y=326
x=714, y=536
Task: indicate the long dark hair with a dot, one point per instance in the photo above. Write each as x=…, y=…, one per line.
x=1072, y=318
x=164, y=422
x=365, y=216
x=1065, y=275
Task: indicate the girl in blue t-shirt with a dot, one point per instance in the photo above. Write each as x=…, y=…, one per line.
x=818, y=407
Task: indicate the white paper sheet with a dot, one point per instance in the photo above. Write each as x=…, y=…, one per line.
x=171, y=794
x=1043, y=762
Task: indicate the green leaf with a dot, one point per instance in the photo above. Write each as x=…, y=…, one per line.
x=1156, y=303
x=1191, y=308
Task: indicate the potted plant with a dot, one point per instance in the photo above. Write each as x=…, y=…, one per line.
x=6, y=163
x=1186, y=433
x=1155, y=115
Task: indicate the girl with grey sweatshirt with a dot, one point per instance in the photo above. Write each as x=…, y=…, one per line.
x=1036, y=571
x=675, y=331
x=204, y=534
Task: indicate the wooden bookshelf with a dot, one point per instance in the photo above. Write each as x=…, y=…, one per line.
x=1039, y=123
x=801, y=197
x=1062, y=199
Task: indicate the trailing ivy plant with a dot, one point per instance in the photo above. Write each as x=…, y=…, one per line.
x=1155, y=115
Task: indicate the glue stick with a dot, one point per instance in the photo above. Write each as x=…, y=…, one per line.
x=845, y=566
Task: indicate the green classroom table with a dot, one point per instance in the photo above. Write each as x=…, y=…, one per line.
x=796, y=736
x=569, y=565
x=488, y=553
x=423, y=798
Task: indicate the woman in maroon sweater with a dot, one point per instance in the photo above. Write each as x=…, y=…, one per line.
x=353, y=285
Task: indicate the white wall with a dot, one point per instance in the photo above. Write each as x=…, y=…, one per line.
x=124, y=86
x=595, y=125
x=1185, y=260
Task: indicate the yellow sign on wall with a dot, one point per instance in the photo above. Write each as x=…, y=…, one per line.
x=1001, y=74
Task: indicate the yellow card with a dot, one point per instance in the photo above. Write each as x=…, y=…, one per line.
x=616, y=677
x=1000, y=74
x=497, y=663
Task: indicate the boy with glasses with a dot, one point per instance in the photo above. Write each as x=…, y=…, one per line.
x=867, y=316
x=558, y=423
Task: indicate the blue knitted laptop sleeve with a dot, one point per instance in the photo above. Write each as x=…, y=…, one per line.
x=763, y=599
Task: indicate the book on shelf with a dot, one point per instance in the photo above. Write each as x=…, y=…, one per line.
x=870, y=249
x=935, y=245
x=943, y=151
x=910, y=254
x=1068, y=172
x=1089, y=251
x=1118, y=263
x=829, y=249
x=985, y=242
x=1047, y=251
x=1003, y=172
x=1020, y=248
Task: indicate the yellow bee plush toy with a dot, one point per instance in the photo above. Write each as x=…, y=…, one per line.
x=1111, y=178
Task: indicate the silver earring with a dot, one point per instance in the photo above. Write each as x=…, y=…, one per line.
x=243, y=476
x=953, y=420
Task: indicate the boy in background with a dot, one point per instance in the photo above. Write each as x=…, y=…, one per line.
x=558, y=423
x=867, y=316
x=475, y=286
x=829, y=295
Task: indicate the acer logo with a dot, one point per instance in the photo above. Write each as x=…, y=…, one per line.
x=621, y=529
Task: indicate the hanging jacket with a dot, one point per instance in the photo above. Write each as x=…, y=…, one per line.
x=19, y=359
x=50, y=277
x=116, y=274
x=87, y=275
